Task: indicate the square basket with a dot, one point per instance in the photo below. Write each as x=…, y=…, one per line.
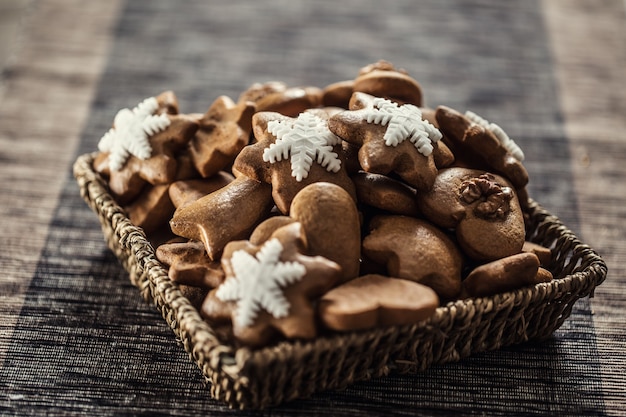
x=246, y=378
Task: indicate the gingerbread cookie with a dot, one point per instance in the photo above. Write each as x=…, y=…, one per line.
x=269, y=289
x=480, y=147
x=338, y=94
x=230, y=213
x=189, y=264
x=185, y=170
x=277, y=97
x=375, y=301
x=506, y=274
x=152, y=209
x=416, y=250
x=292, y=153
x=494, y=224
x=187, y=191
x=168, y=103
x=385, y=193
x=392, y=138
x=222, y=133
x=141, y=147
x=330, y=220
x=544, y=254
x=481, y=207
x=265, y=230
x=382, y=79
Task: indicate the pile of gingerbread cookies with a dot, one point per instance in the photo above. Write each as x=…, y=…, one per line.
x=298, y=211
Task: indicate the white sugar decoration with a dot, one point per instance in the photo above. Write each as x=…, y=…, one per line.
x=258, y=281
x=499, y=133
x=306, y=139
x=131, y=131
x=403, y=122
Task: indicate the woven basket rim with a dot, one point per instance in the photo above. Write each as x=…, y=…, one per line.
x=212, y=355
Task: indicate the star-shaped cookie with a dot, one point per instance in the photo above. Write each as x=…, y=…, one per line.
x=189, y=264
x=291, y=153
x=156, y=163
x=223, y=131
x=269, y=288
x=391, y=139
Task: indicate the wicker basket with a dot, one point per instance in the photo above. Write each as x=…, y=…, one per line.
x=245, y=378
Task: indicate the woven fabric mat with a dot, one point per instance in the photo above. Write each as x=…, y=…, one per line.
x=75, y=336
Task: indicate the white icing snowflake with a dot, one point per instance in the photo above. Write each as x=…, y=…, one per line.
x=131, y=131
x=403, y=122
x=306, y=139
x=258, y=281
x=508, y=143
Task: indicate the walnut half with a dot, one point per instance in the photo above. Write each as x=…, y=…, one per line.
x=493, y=198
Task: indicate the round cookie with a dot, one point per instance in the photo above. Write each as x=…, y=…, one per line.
x=481, y=207
x=494, y=226
x=442, y=204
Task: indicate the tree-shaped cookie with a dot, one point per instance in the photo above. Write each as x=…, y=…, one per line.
x=392, y=138
x=269, y=288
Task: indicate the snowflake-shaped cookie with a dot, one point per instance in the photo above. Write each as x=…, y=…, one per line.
x=131, y=132
x=305, y=139
x=403, y=122
x=258, y=281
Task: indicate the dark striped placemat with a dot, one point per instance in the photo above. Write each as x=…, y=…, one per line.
x=76, y=338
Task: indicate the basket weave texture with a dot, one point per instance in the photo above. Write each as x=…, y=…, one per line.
x=245, y=378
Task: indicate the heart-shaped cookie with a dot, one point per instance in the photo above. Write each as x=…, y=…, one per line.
x=376, y=300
